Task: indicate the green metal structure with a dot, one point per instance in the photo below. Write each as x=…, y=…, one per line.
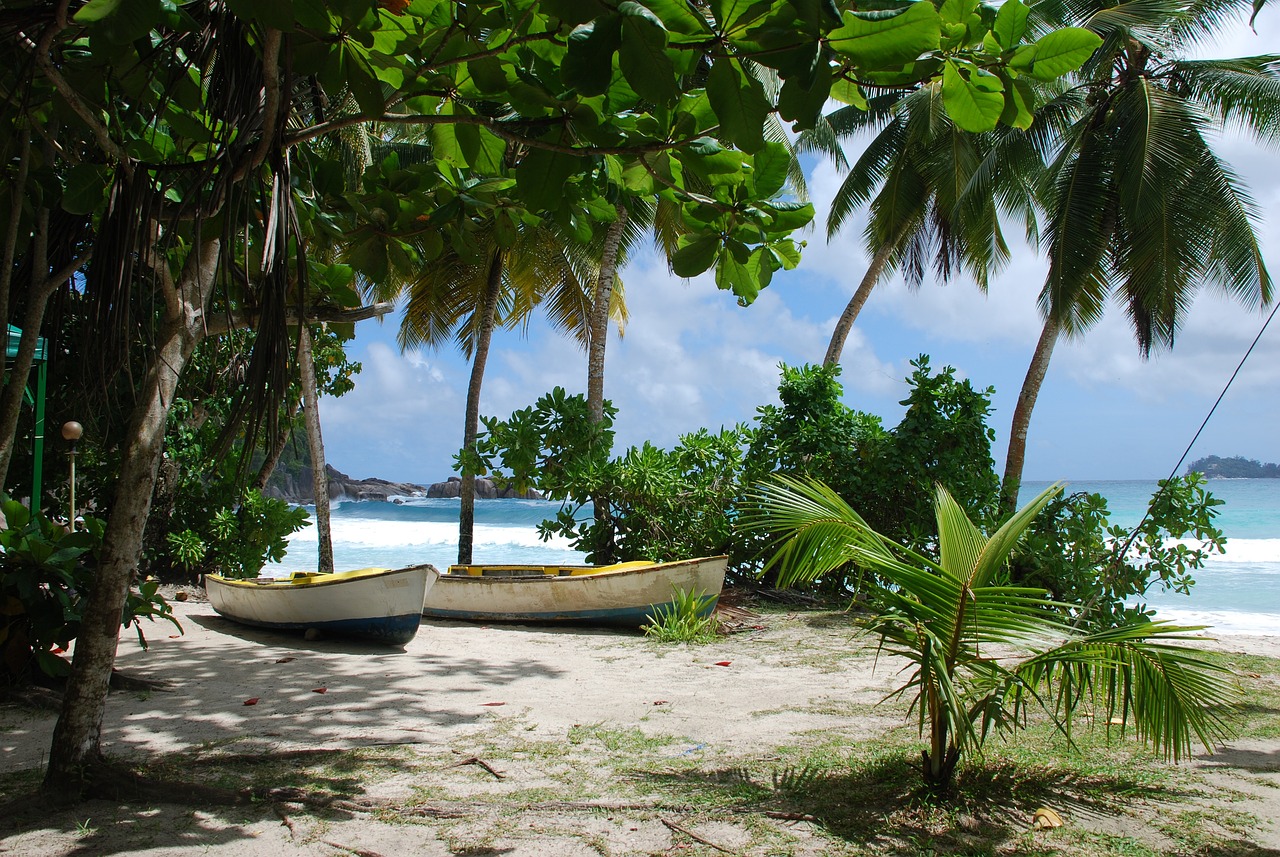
x=36, y=400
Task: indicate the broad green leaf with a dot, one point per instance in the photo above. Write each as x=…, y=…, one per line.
x=734, y=15
x=848, y=92
x=802, y=103
x=957, y=11
x=86, y=185
x=739, y=102
x=771, y=165
x=879, y=40
x=541, y=177
x=1018, y=105
x=974, y=107
x=272, y=13
x=643, y=55
x=677, y=17
x=734, y=276
x=588, y=64
x=95, y=11
x=786, y=252
x=1063, y=51
x=364, y=84
x=1011, y=23
x=694, y=255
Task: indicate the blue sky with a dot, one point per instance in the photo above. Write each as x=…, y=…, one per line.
x=691, y=357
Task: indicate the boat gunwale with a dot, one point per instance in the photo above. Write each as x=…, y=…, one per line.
x=336, y=579
x=547, y=578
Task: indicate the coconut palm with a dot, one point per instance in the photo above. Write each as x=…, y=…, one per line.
x=1138, y=206
x=918, y=174
x=980, y=651
x=465, y=297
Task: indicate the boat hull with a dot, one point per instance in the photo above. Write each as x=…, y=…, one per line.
x=627, y=595
x=372, y=604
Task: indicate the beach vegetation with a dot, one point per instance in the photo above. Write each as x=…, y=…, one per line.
x=1104, y=571
x=689, y=618
x=45, y=581
x=958, y=625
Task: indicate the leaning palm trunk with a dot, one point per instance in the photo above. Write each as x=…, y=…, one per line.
x=854, y=308
x=597, y=341
x=467, y=491
x=76, y=753
x=962, y=631
x=1017, y=454
x=315, y=445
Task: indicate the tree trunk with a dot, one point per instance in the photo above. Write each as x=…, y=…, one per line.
x=17, y=193
x=599, y=321
x=277, y=449
x=43, y=285
x=1022, y=418
x=845, y=324
x=315, y=444
x=467, y=491
x=603, y=547
x=76, y=749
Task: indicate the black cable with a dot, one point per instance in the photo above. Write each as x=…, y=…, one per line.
x=1134, y=533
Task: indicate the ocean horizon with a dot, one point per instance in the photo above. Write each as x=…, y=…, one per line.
x=1235, y=593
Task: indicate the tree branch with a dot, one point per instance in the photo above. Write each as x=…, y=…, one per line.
x=227, y=322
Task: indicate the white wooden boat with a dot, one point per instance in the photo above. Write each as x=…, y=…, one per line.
x=370, y=603
x=627, y=594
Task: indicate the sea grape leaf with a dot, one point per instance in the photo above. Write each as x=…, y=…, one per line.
x=588, y=64
x=694, y=254
x=885, y=40
x=1063, y=51
x=971, y=101
x=643, y=55
x=1011, y=23
x=541, y=177
x=739, y=102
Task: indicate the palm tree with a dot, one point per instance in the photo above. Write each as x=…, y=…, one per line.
x=1138, y=206
x=980, y=651
x=918, y=174
x=466, y=298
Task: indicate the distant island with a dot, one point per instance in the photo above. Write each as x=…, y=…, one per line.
x=1237, y=467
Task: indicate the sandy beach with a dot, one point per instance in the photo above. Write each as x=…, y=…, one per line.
x=517, y=740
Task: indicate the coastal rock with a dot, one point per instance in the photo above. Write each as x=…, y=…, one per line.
x=295, y=487
x=485, y=490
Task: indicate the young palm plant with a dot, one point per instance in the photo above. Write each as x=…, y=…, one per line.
x=982, y=652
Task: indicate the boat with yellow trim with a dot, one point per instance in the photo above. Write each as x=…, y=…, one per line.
x=384, y=605
x=627, y=593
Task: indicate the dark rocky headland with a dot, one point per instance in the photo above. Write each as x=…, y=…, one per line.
x=295, y=487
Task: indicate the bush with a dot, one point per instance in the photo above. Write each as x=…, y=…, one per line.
x=1076, y=553
x=45, y=581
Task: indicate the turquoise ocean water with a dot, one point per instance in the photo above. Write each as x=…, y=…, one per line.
x=1237, y=593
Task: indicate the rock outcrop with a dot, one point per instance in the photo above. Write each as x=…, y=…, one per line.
x=485, y=490
x=295, y=487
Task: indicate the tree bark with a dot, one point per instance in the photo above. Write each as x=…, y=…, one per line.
x=43, y=285
x=869, y=280
x=315, y=443
x=599, y=322
x=76, y=748
x=467, y=491
x=17, y=193
x=597, y=341
x=1012, y=482
x=277, y=449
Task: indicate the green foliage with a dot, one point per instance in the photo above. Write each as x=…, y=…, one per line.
x=656, y=504
x=238, y=542
x=1075, y=553
x=45, y=580
x=981, y=651
x=689, y=618
x=660, y=504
